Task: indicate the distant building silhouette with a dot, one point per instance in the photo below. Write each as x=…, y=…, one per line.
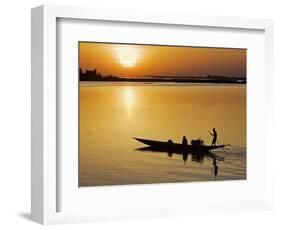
x=90, y=75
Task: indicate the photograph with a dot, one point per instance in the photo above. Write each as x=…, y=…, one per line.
x=161, y=113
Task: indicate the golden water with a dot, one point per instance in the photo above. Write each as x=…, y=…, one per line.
x=111, y=115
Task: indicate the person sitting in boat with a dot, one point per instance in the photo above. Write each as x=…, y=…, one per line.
x=170, y=143
x=184, y=141
x=215, y=135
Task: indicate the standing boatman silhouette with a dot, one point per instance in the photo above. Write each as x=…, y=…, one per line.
x=215, y=136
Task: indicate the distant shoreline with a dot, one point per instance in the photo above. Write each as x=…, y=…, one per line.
x=95, y=76
x=156, y=80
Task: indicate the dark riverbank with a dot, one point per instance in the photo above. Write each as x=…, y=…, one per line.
x=176, y=80
x=93, y=75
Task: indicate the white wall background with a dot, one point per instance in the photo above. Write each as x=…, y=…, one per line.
x=15, y=112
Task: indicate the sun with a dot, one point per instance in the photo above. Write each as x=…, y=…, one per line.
x=127, y=56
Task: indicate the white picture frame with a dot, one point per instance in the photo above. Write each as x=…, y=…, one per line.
x=46, y=171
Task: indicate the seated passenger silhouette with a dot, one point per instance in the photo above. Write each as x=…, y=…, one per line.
x=170, y=143
x=184, y=141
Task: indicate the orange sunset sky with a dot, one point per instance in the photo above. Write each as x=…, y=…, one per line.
x=146, y=60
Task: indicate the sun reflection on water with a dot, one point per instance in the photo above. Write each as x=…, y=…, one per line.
x=129, y=100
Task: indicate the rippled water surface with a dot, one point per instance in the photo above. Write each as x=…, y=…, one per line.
x=111, y=115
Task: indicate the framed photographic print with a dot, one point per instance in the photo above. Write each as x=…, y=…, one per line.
x=157, y=102
x=137, y=114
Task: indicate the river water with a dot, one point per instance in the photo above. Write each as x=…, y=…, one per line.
x=112, y=114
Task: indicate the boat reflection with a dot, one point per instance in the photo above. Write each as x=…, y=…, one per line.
x=196, y=156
